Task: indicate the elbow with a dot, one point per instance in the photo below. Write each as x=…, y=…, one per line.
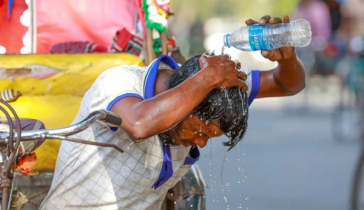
x=297, y=89
x=136, y=130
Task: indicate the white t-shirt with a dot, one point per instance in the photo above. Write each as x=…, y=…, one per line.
x=91, y=177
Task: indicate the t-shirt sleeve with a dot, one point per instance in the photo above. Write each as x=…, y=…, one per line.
x=253, y=83
x=113, y=85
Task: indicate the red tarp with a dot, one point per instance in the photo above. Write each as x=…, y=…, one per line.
x=66, y=20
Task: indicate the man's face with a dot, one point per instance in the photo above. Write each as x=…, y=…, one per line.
x=194, y=131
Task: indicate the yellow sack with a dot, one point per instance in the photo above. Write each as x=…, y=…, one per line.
x=54, y=99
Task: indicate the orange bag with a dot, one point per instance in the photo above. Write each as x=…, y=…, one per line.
x=26, y=163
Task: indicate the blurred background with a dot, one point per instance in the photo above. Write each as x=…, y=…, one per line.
x=300, y=152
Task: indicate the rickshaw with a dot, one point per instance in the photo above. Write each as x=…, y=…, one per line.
x=46, y=71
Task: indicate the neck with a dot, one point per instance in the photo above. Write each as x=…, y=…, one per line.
x=161, y=86
x=161, y=81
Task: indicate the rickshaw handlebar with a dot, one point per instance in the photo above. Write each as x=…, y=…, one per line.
x=60, y=133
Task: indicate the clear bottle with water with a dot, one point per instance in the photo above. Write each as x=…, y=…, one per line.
x=270, y=36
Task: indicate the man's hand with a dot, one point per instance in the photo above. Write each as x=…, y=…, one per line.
x=281, y=54
x=223, y=70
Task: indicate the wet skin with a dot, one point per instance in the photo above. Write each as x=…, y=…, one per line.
x=194, y=131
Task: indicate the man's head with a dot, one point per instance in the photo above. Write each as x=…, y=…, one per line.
x=223, y=111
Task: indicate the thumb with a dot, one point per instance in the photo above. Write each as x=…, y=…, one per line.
x=202, y=61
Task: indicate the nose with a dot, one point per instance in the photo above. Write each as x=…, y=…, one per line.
x=201, y=141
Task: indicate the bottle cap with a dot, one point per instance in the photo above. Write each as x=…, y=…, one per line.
x=226, y=40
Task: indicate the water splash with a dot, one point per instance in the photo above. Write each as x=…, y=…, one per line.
x=242, y=104
x=130, y=145
x=212, y=189
x=222, y=174
x=227, y=96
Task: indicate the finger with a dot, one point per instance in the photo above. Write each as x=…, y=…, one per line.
x=242, y=75
x=264, y=20
x=266, y=53
x=272, y=55
x=275, y=20
x=250, y=22
x=202, y=61
x=242, y=85
x=286, y=19
x=287, y=52
x=276, y=55
x=237, y=64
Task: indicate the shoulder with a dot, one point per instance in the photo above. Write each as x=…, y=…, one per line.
x=121, y=75
x=128, y=70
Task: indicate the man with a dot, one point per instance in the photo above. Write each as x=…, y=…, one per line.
x=165, y=115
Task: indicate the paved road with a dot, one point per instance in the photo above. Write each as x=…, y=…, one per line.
x=288, y=161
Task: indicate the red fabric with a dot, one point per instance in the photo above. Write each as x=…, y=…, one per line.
x=123, y=41
x=172, y=42
x=82, y=20
x=122, y=38
x=12, y=31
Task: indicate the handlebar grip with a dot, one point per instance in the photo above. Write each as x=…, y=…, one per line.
x=112, y=118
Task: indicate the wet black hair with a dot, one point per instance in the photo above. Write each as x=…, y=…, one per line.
x=227, y=106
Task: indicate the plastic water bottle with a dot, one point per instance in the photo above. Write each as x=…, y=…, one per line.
x=256, y=37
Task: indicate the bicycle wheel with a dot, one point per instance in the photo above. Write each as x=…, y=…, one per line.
x=357, y=196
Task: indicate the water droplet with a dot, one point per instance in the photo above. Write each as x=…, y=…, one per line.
x=204, y=156
x=175, y=203
x=130, y=145
x=247, y=198
x=222, y=174
x=191, y=205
